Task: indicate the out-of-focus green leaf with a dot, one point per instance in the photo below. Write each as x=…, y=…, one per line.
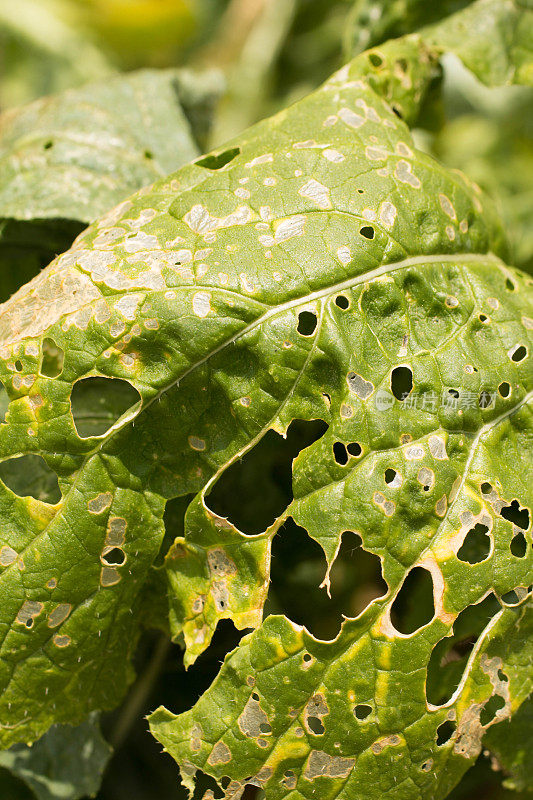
x=66, y=159
x=372, y=22
x=492, y=37
x=510, y=742
x=66, y=763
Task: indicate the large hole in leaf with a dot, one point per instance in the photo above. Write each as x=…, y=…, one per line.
x=298, y=568
x=218, y=160
x=518, y=516
x=518, y=545
x=52, y=360
x=449, y=656
x=254, y=491
x=476, y=545
x=413, y=606
x=97, y=403
x=401, y=382
x=30, y=476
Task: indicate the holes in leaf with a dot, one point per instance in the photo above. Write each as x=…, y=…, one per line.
x=18, y=365
x=509, y=285
x=52, y=360
x=518, y=516
x=340, y=453
x=114, y=557
x=218, y=160
x=401, y=382
x=255, y=490
x=390, y=475
x=354, y=449
x=491, y=708
x=515, y=596
x=307, y=322
x=397, y=111
x=315, y=725
x=362, y=711
x=486, y=488
x=476, y=545
x=148, y=154
x=450, y=655
x=48, y=145
x=342, y=302
x=97, y=403
x=298, y=568
x=504, y=389
x=483, y=318
x=518, y=545
x=413, y=607
x=356, y=576
x=375, y=60
x=367, y=231
x=30, y=476
x=445, y=732
x=453, y=393
x=265, y=728
x=307, y=657
x=519, y=354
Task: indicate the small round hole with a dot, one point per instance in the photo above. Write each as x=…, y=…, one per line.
x=307, y=323
x=342, y=302
x=354, y=449
x=340, y=452
x=486, y=488
x=504, y=389
x=519, y=354
x=445, y=732
x=362, y=711
x=367, y=231
x=375, y=60
x=509, y=285
x=48, y=145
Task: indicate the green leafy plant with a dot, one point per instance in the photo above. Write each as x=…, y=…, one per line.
x=311, y=337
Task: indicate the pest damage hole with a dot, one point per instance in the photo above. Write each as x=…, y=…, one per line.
x=30, y=476
x=483, y=318
x=307, y=322
x=18, y=365
x=509, y=285
x=362, y=711
x=298, y=569
x=401, y=382
x=413, y=607
x=218, y=160
x=342, y=302
x=518, y=516
x=390, y=475
x=97, y=403
x=518, y=545
x=485, y=399
x=52, y=360
x=148, y=154
x=445, y=732
x=449, y=656
x=375, y=60
x=354, y=449
x=490, y=709
x=519, y=354
x=453, y=393
x=486, y=488
x=115, y=557
x=367, y=231
x=504, y=389
x=48, y=145
x=476, y=545
x=340, y=453
x=254, y=491
x=315, y=725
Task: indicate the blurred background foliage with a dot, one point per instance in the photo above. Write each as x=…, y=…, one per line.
x=270, y=53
